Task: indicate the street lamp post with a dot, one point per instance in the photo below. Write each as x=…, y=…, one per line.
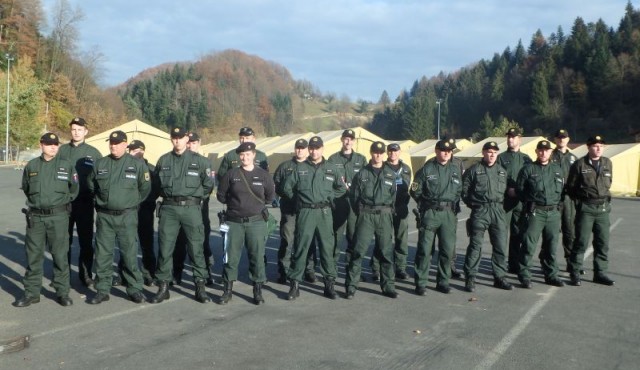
x=438, y=102
x=6, y=153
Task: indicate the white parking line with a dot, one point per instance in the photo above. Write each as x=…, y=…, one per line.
x=496, y=353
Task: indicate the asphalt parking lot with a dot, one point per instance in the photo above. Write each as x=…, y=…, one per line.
x=587, y=327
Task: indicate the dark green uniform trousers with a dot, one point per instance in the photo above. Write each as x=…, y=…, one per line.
x=568, y=225
x=488, y=217
x=251, y=234
x=379, y=226
x=344, y=219
x=171, y=219
x=122, y=229
x=82, y=216
x=180, y=250
x=287, y=235
x=145, y=236
x=314, y=223
x=443, y=224
x=514, y=218
x=400, y=245
x=51, y=230
x=546, y=224
x=592, y=219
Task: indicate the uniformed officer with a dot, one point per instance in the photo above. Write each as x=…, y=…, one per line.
x=120, y=183
x=180, y=250
x=539, y=187
x=82, y=156
x=589, y=182
x=145, y=217
x=373, y=193
x=563, y=156
x=50, y=184
x=401, y=214
x=288, y=211
x=245, y=190
x=349, y=163
x=231, y=159
x=185, y=179
x=314, y=185
x=483, y=187
x=513, y=160
x=436, y=188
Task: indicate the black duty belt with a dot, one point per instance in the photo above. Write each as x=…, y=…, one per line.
x=114, y=212
x=486, y=204
x=438, y=206
x=181, y=201
x=49, y=211
x=547, y=208
x=594, y=202
x=376, y=209
x=315, y=205
x=244, y=220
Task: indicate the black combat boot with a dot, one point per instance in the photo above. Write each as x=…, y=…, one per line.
x=163, y=292
x=257, y=294
x=201, y=292
x=294, y=291
x=228, y=292
x=329, y=289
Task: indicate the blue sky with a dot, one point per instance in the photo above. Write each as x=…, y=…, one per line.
x=356, y=48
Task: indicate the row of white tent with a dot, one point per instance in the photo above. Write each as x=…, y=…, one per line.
x=625, y=157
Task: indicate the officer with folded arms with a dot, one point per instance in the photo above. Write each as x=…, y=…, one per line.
x=588, y=184
x=540, y=185
x=120, y=183
x=245, y=190
x=50, y=184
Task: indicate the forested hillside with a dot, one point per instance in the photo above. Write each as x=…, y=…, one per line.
x=587, y=81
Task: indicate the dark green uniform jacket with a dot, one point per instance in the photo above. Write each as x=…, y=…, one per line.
x=484, y=184
x=284, y=170
x=49, y=184
x=402, y=180
x=314, y=183
x=348, y=165
x=374, y=187
x=436, y=183
x=540, y=184
x=185, y=175
x=586, y=182
x=119, y=184
x=83, y=157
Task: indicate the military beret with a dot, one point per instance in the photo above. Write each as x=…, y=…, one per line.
x=246, y=147
x=49, y=139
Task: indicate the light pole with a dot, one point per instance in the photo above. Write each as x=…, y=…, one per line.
x=438, y=102
x=6, y=153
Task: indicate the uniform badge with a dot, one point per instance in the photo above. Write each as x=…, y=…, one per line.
x=415, y=186
x=146, y=176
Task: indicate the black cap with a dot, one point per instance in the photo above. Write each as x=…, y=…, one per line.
x=246, y=147
x=514, y=131
x=78, y=121
x=451, y=140
x=301, y=144
x=544, y=144
x=349, y=133
x=193, y=137
x=490, y=145
x=445, y=145
x=49, y=139
x=393, y=147
x=117, y=137
x=561, y=134
x=178, y=132
x=378, y=147
x=595, y=140
x=315, y=142
x=246, y=131
x=136, y=144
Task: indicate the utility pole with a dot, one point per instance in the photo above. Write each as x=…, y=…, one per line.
x=6, y=154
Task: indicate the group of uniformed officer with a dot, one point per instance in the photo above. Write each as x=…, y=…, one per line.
x=319, y=199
